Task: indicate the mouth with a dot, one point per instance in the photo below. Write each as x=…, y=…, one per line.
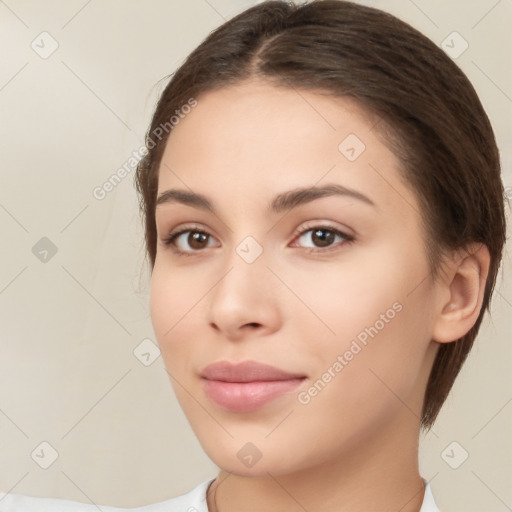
x=247, y=386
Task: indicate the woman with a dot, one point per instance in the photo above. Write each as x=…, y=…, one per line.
x=324, y=223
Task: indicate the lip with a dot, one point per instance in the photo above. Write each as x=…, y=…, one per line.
x=248, y=385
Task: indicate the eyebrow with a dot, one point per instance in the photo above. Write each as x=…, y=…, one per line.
x=282, y=202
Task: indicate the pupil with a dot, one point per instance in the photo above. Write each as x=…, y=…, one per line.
x=323, y=237
x=195, y=240
x=324, y=240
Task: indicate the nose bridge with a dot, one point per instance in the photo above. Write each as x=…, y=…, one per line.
x=246, y=269
x=244, y=295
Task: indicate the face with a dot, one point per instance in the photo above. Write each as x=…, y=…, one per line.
x=329, y=288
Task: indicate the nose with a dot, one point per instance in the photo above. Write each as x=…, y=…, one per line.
x=245, y=302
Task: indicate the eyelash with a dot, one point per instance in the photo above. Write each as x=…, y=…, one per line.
x=348, y=239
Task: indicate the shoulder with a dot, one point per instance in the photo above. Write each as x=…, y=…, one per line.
x=193, y=501
x=429, y=505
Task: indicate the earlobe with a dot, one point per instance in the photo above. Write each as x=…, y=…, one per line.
x=463, y=293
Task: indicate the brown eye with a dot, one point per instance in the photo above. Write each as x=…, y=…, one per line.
x=322, y=236
x=189, y=241
x=196, y=239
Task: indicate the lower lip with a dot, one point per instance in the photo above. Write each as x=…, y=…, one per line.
x=248, y=396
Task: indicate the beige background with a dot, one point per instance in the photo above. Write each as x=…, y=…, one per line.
x=69, y=326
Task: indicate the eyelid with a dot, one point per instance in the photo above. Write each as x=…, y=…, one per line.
x=168, y=241
x=188, y=227
x=327, y=226
x=319, y=224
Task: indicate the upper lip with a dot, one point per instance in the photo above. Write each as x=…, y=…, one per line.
x=246, y=371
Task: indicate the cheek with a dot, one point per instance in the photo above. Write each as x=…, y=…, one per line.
x=376, y=316
x=359, y=385
x=174, y=298
x=163, y=301
x=345, y=297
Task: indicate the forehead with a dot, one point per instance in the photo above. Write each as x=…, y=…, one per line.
x=255, y=121
x=254, y=139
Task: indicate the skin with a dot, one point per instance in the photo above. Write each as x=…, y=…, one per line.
x=354, y=446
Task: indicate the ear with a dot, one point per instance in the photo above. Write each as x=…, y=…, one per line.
x=461, y=292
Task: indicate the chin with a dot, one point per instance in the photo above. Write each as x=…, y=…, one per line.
x=258, y=459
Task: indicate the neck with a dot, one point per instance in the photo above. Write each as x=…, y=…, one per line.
x=378, y=475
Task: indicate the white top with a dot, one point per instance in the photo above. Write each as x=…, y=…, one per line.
x=193, y=501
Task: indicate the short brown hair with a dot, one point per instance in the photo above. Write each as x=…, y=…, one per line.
x=431, y=116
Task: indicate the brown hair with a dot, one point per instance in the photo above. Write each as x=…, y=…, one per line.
x=430, y=115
